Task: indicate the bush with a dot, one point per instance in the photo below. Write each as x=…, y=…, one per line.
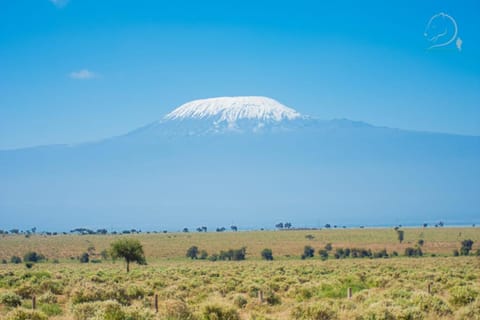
x=51, y=309
x=48, y=298
x=84, y=258
x=323, y=254
x=15, y=260
x=109, y=310
x=216, y=312
x=203, y=255
x=470, y=312
x=26, y=314
x=318, y=311
x=10, y=299
x=176, y=310
x=308, y=252
x=466, y=247
x=192, y=252
x=232, y=254
x=267, y=254
x=456, y=253
x=461, y=296
x=272, y=299
x=240, y=301
x=413, y=252
x=32, y=256
x=431, y=304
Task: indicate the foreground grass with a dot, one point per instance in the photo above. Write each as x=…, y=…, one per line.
x=286, y=288
x=291, y=289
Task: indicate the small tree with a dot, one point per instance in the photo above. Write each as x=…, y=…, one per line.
x=466, y=247
x=129, y=249
x=308, y=252
x=328, y=247
x=85, y=257
x=203, y=255
x=323, y=254
x=267, y=254
x=15, y=260
x=400, y=235
x=32, y=256
x=192, y=252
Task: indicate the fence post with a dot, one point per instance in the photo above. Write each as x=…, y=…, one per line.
x=349, y=293
x=260, y=296
x=429, y=288
x=156, y=303
x=34, y=302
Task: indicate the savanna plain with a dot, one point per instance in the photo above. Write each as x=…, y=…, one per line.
x=315, y=274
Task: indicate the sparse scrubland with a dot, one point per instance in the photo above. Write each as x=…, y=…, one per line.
x=436, y=285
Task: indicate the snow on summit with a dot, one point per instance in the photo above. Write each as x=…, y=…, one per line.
x=231, y=109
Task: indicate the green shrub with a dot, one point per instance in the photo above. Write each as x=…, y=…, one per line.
x=470, y=312
x=176, y=310
x=84, y=258
x=460, y=296
x=217, y=312
x=308, y=252
x=317, y=311
x=84, y=311
x=110, y=310
x=10, y=299
x=15, y=260
x=26, y=314
x=267, y=254
x=323, y=254
x=51, y=309
x=32, y=256
x=240, y=301
x=192, y=252
x=413, y=252
x=466, y=247
x=25, y=290
x=431, y=304
x=203, y=255
x=272, y=299
x=47, y=297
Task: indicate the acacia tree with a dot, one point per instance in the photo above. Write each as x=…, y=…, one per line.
x=129, y=249
x=192, y=252
x=400, y=235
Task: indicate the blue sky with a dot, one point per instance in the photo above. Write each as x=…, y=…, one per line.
x=82, y=70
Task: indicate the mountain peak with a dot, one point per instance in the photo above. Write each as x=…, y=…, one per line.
x=231, y=109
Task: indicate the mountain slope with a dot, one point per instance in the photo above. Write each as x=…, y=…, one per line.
x=194, y=167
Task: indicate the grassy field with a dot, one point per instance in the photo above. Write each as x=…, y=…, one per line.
x=290, y=288
x=283, y=243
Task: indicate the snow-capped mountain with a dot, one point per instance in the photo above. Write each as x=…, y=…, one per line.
x=249, y=161
x=227, y=115
x=233, y=109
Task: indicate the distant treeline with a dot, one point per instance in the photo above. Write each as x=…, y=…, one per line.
x=285, y=226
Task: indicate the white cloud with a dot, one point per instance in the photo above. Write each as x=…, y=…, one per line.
x=83, y=74
x=59, y=3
